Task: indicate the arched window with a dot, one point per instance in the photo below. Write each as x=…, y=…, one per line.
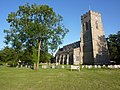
x=86, y=26
x=96, y=23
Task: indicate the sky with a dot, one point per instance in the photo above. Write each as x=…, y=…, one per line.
x=71, y=11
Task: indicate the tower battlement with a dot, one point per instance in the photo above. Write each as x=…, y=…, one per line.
x=89, y=13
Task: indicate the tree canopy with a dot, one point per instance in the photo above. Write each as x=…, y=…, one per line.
x=114, y=47
x=35, y=26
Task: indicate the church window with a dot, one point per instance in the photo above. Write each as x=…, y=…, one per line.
x=96, y=23
x=83, y=26
x=86, y=25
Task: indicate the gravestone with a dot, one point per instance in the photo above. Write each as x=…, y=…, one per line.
x=104, y=66
x=63, y=66
x=45, y=66
x=99, y=66
x=53, y=66
x=17, y=66
x=86, y=66
x=21, y=66
x=26, y=66
x=82, y=66
x=89, y=66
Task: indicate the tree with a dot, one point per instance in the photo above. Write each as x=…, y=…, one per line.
x=45, y=57
x=8, y=56
x=114, y=47
x=35, y=26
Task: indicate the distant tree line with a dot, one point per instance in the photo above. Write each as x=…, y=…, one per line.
x=113, y=42
x=9, y=56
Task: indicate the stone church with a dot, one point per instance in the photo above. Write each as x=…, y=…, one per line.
x=92, y=47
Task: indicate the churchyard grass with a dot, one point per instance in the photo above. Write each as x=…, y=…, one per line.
x=59, y=79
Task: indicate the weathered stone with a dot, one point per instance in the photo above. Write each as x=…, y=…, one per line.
x=99, y=66
x=89, y=66
x=45, y=66
x=21, y=66
x=63, y=66
x=104, y=66
x=86, y=66
x=75, y=68
x=83, y=66
x=53, y=66
x=26, y=66
x=95, y=66
x=17, y=66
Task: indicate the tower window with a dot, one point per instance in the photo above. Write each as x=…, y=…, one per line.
x=96, y=23
x=86, y=25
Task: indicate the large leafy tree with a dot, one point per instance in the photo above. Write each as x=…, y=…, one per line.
x=35, y=26
x=114, y=47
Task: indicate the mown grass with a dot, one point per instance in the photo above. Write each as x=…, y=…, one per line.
x=59, y=79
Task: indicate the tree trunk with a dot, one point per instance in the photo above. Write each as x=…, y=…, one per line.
x=35, y=66
x=37, y=63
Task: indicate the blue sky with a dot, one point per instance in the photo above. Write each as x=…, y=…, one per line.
x=71, y=10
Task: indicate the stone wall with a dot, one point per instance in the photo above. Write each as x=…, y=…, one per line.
x=69, y=54
x=76, y=56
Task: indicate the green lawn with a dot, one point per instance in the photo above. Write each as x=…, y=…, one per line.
x=59, y=79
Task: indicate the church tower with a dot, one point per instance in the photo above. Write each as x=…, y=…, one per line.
x=93, y=45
